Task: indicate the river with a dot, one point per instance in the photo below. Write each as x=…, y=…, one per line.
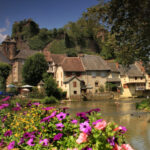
x=124, y=113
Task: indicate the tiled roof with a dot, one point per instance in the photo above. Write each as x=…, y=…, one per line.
x=24, y=54
x=58, y=58
x=47, y=55
x=72, y=64
x=114, y=67
x=113, y=80
x=67, y=80
x=131, y=71
x=92, y=62
x=4, y=59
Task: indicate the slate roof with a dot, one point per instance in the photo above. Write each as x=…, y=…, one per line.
x=58, y=58
x=92, y=62
x=4, y=59
x=113, y=66
x=67, y=80
x=113, y=80
x=73, y=64
x=24, y=54
x=131, y=71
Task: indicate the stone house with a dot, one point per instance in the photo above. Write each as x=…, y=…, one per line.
x=16, y=58
x=96, y=73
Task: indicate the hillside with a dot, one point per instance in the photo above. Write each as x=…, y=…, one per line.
x=75, y=37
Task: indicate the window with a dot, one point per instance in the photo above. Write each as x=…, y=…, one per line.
x=96, y=84
x=141, y=78
x=74, y=84
x=61, y=83
x=93, y=74
x=75, y=92
x=135, y=78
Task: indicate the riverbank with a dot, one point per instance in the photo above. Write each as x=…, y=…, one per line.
x=143, y=105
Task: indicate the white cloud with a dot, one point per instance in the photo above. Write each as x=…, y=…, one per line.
x=7, y=22
x=2, y=37
x=2, y=30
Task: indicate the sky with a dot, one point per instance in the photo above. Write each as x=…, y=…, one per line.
x=47, y=13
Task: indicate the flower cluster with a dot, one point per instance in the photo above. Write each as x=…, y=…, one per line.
x=37, y=127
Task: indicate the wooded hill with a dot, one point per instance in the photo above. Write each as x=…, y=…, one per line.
x=113, y=29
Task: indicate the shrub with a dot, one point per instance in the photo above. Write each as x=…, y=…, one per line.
x=50, y=100
x=39, y=127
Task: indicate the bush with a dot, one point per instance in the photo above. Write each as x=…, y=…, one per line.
x=50, y=100
x=36, y=94
x=39, y=127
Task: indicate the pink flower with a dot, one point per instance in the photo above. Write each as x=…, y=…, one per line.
x=82, y=138
x=126, y=147
x=117, y=147
x=100, y=125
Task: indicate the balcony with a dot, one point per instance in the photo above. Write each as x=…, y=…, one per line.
x=134, y=81
x=140, y=88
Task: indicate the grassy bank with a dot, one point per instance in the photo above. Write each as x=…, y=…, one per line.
x=143, y=105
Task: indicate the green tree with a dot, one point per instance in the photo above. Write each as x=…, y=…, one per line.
x=4, y=73
x=129, y=21
x=51, y=88
x=34, y=68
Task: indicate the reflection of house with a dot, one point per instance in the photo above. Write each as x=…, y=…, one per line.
x=96, y=72
x=132, y=81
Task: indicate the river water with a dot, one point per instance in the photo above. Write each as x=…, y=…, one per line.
x=124, y=113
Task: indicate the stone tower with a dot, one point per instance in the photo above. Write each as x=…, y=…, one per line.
x=9, y=48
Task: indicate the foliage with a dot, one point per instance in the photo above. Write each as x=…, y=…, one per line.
x=33, y=69
x=4, y=73
x=129, y=22
x=143, y=105
x=25, y=29
x=51, y=128
x=51, y=88
x=39, y=41
x=35, y=93
x=50, y=100
x=101, y=88
x=110, y=86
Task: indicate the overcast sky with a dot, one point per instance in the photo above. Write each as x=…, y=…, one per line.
x=47, y=13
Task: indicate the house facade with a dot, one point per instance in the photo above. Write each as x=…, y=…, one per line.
x=133, y=81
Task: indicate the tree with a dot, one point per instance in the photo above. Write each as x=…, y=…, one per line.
x=34, y=68
x=129, y=21
x=4, y=73
x=51, y=88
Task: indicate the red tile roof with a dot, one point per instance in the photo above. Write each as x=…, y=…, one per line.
x=72, y=64
x=58, y=58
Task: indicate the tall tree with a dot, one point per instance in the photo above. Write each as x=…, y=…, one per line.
x=4, y=73
x=129, y=21
x=34, y=68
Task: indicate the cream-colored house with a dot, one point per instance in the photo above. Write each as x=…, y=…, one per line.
x=69, y=76
x=114, y=76
x=133, y=81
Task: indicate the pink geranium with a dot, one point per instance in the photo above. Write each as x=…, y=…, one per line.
x=82, y=138
x=117, y=147
x=127, y=147
x=100, y=125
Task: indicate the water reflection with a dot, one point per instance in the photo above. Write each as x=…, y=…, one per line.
x=123, y=113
